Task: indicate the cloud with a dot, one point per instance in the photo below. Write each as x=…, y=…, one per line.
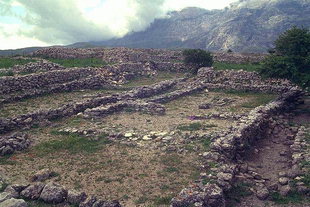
x=69, y=21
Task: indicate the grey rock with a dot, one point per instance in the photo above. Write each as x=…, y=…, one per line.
x=89, y=202
x=5, y=196
x=42, y=175
x=75, y=197
x=53, y=193
x=285, y=190
x=14, y=203
x=32, y=192
x=262, y=193
x=9, y=189
x=284, y=180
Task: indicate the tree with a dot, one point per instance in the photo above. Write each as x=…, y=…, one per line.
x=290, y=58
x=197, y=58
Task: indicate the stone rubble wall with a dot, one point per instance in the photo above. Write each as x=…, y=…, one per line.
x=12, y=143
x=238, y=58
x=113, y=55
x=42, y=116
x=226, y=149
x=39, y=66
x=50, y=193
x=241, y=81
x=42, y=80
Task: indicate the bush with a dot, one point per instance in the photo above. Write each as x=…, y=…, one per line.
x=197, y=58
x=291, y=57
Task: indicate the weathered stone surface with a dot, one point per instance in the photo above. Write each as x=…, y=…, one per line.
x=53, y=193
x=42, y=175
x=75, y=197
x=14, y=193
x=32, y=192
x=89, y=202
x=15, y=142
x=14, y=203
x=262, y=192
x=4, y=196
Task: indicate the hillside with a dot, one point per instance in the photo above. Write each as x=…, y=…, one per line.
x=247, y=26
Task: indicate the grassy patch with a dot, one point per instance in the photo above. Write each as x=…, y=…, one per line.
x=206, y=143
x=195, y=126
x=293, y=197
x=165, y=200
x=238, y=191
x=256, y=99
x=6, y=73
x=141, y=200
x=5, y=160
x=10, y=62
x=233, y=66
x=85, y=62
x=71, y=142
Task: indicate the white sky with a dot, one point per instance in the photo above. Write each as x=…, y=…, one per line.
x=39, y=23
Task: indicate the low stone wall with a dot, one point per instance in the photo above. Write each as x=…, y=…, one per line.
x=227, y=148
x=50, y=193
x=39, y=66
x=12, y=143
x=39, y=117
x=238, y=57
x=42, y=80
x=241, y=81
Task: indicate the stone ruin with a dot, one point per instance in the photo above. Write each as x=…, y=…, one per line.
x=227, y=148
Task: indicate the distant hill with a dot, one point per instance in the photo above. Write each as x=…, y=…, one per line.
x=246, y=26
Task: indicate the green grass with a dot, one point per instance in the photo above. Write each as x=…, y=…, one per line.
x=165, y=200
x=257, y=99
x=195, y=126
x=71, y=142
x=233, y=66
x=238, y=191
x=5, y=160
x=85, y=62
x=293, y=197
x=10, y=62
x=6, y=73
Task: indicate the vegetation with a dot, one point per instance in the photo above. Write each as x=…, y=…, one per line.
x=293, y=197
x=85, y=62
x=290, y=58
x=10, y=62
x=195, y=126
x=238, y=191
x=197, y=58
x=233, y=66
x=72, y=143
x=6, y=73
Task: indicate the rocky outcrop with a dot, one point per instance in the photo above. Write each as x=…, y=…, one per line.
x=12, y=143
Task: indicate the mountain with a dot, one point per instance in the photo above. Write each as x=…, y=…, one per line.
x=246, y=26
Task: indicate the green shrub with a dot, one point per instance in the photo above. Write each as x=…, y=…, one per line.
x=197, y=58
x=291, y=57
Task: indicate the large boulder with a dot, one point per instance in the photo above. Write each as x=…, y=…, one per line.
x=12, y=202
x=53, y=193
x=32, y=192
x=75, y=197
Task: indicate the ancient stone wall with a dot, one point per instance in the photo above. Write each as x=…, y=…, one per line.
x=42, y=80
x=226, y=149
x=241, y=81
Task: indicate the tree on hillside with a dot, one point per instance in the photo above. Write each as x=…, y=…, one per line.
x=290, y=58
x=197, y=58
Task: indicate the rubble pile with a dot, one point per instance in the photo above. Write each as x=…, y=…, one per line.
x=241, y=81
x=39, y=66
x=15, y=142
